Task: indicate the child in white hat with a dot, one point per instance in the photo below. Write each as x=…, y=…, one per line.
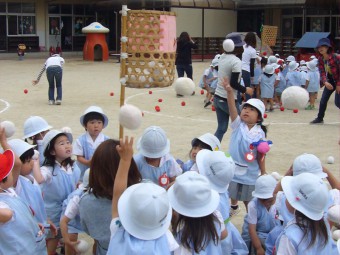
x=247, y=129
x=312, y=83
x=307, y=233
x=207, y=141
x=94, y=121
x=198, y=226
x=141, y=213
x=293, y=76
x=260, y=219
x=219, y=168
x=267, y=82
x=208, y=81
x=153, y=160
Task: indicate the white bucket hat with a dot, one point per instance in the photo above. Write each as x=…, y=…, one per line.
x=303, y=68
x=290, y=58
x=96, y=109
x=145, y=211
x=308, y=163
x=277, y=55
x=257, y=103
x=50, y=135
x=34, y=125
x=275, y=66
x=333, y=214
x=293, y=65
x=210, y=140
x=272, y=60
x=217, y=167
x=302, y=62
x=214, y=62
x=153, y=143
x=19, y=146
x=264, y=187
x=269, y=69
x=307, y=193
x=312, y=57
x=192, y=196
x=312, y=65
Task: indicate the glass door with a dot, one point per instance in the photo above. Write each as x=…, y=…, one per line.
x=3, y=34
x=66, y=33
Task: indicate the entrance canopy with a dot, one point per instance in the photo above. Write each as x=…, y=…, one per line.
x=311, y=39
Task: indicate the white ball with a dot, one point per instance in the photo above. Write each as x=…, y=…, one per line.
x=9, y=128
x=330, y=160
x=336, y=235
x=130, y=116
x=82, y=246
x=184, y=86
x=294, y=97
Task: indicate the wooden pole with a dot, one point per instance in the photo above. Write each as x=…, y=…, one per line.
x=123, y=62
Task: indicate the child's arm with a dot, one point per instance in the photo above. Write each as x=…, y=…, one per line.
x=64, y=232
x=230, y=98
x=125, y=152
x=333, y=181
x=84, y=161
x=255, y=240
x=5, y=146
x=5, y=215
x=261, y=160
x=36, y=168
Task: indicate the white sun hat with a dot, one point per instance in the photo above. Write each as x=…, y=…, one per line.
x=257, y=103
x=312, y=65
x=312, y=57
x=144, y=211
x=293, y=65
x=269, y=69
x=264, y=187
x=272, y=60
x=34, y=125
x=210, y=140
x=191, y=195
x=52, y=134
x=275, y=65
x=96, y=109
x=19, y=146
x=153, y=143
x=307, y=193
x=308, y=163
x=217, y=167
x=290, y=58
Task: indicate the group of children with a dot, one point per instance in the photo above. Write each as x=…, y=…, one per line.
x=272, y=76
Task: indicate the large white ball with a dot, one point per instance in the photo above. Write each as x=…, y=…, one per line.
x=9, y=128
x=130, y=116
x=294, y=97
x=184, y=86
x=82, y=246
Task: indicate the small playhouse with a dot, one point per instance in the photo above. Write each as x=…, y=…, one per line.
x=95, y=47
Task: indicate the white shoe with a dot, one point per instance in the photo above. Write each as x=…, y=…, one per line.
x=58, y=102
x=51, y=102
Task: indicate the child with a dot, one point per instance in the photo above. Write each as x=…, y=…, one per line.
x=247, y=128
x=198, y=227
x=257, y=74
x=70, y=221
x=153, y=160
x=303, y=75
x=293, y=77
x=207, y=141
x=312, y=83
x=281, y=86
x=219, y=169
x=209, y=75
x=95, y=221
x=141, y=214
x=307, y=197
x=267, y=81
x=60, y=177
x=260, y=219
x=93, y=120
x=19, y=231
x=35, y=128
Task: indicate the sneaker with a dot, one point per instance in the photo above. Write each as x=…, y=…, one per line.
x=234, y=212
x=271, y=110
x=193, y=93
x=316, y=121
x=309, y=107
x=179, y=95
x=58, y=102
x=207, y=104
x=51, y=102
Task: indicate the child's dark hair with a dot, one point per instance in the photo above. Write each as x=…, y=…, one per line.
x=4, y=180
x=264, y=61
x=50, y=159
x=264, y=128
x=92, y=116
x=268, y=75
x=198, y=143
x=316, y=229
x=197, y=232
x=216, y=68
x=250, y=39
x=27, y=155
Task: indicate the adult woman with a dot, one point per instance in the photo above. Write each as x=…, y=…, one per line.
x=248, y=58
x=54, y=71
x=329, y=68
x=229, y=66
x=183, y=55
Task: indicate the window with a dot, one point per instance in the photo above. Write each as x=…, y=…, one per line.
x=14, y=7
x=78, y=9
x=78, y=25
x=66, y=9
x=27, y=25
x=53, y=9
x=54, y=25
x=2, y=7
x=12, y=25
x=21, y=20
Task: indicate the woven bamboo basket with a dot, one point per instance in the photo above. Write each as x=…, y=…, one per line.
x=151, y=49
x=269, y=34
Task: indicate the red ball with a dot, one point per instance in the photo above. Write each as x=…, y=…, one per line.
x=112, y=94
x=282, y=108
x=160, y=100
x=157, y=108
x=280, y=62
x=202, y=92
x=295, y=110
x=183, y=103
x=213, y=108
x=150, y=92
x=264, y=53
x=25, y=91
x=277, y=70
x=265, y=115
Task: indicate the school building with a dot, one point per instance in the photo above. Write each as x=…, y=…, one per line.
x=41, y=24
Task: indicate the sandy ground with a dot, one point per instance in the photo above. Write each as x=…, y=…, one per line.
x=90, y=83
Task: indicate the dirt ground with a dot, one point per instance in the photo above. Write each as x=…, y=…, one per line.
x=90, y=83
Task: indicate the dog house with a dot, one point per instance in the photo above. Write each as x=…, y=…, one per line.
x=95, y=47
